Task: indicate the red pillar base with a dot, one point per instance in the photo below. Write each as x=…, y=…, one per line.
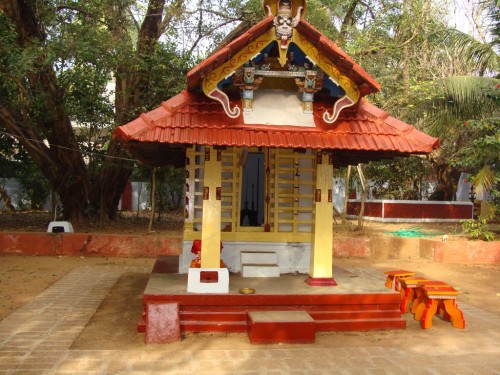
x=162, y=323
x=320, y=281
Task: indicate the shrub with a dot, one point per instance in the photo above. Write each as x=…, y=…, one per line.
x=477, y=229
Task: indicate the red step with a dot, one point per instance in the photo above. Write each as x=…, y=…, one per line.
x=359, y=324
x=228, y=313
x=214, y=326
x=214, y=316
x=271, y=327
x=350, y=315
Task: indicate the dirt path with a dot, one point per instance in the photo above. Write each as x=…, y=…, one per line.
x=22, y=277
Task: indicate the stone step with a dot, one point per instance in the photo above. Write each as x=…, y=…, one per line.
x=271, y=327
x=259, y=257
x=260, y=270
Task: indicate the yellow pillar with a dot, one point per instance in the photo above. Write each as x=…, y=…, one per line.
x=320, y=272
x=211, y=224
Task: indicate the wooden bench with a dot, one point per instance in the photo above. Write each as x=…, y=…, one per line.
x=393, y=277
x=290, y=326
x=438, y=298
x=420, y=297
x=407, y=291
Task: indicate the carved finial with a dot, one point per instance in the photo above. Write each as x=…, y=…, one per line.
x=295, y=8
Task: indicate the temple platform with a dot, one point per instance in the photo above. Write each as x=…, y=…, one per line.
x=355, y=304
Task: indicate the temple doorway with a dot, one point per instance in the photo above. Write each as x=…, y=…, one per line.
x=252, y=191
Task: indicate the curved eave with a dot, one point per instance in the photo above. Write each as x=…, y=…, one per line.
x=190, y=118
x=216, y=136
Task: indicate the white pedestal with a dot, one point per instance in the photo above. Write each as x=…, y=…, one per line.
x=60, y=227
x=198, y=283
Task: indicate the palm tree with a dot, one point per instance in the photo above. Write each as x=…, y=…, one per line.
x=463, y=111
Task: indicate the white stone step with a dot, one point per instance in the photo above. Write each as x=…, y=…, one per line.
x=258, y=257
x=260, y=270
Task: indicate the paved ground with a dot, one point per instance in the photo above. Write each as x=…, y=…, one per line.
x=37, y=339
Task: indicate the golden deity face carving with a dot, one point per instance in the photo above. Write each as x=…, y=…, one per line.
x=283, y=25
x=284, y=21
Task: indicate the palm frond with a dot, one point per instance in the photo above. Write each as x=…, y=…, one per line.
x=484, y=181
x=482, y=56
x=454, y=100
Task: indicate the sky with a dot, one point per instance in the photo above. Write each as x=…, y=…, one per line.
x=461, y=17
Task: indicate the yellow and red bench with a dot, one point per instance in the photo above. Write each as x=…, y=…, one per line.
x=427, y=297
x=407, y=291
x=393, y=278
x=437, y=297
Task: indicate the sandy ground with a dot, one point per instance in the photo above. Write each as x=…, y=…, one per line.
x=113, y=325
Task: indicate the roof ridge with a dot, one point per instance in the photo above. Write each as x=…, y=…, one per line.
x=177, y=102
x=372, y=110
x=148, y=120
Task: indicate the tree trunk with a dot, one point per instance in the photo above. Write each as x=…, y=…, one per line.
x=425, y=42
x=363, y=197
x=348, y=21
x=61, y=161
x=64, y=168
x=153, y=199
x=447, y=177
x=130, y=87
x=7, y=205
x=346, y=197
x=406, y=51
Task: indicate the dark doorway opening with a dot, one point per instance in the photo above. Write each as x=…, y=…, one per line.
x=252, y=191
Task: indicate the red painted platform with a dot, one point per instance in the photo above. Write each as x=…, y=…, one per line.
x=354, y=305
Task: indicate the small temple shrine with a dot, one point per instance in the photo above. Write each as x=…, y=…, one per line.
x=260, y=128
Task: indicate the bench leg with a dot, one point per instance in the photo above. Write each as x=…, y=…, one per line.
x=389, y=282
x=418, y=297
x=405, y=302
x=428, y=314
x=442, y=311
x=419, y=304
x=456, y=315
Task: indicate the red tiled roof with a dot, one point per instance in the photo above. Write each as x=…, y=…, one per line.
x=361, y=133
x=191, y=118
x=344, y=63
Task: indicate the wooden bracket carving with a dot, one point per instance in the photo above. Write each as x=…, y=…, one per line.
x=317, y=195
